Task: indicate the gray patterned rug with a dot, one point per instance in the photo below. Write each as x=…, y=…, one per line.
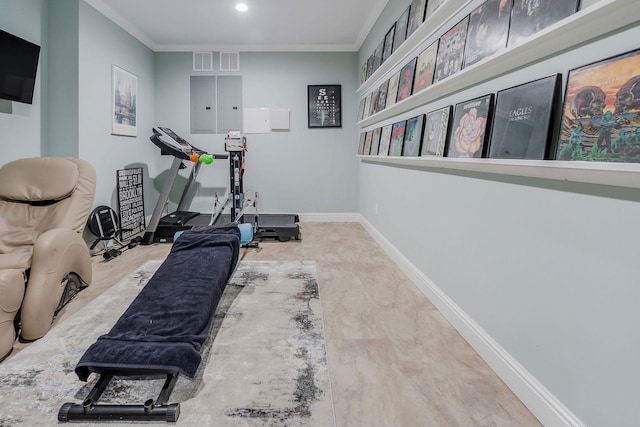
x=264, y=363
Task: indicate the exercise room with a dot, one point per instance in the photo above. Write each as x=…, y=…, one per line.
x=296, y=213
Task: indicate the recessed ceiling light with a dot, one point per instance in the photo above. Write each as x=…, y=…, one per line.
x=241, y=7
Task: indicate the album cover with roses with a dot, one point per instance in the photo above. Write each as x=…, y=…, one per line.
x=523, y=121
x=470, y=128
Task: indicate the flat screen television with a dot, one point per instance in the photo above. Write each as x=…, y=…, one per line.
x=18, y=66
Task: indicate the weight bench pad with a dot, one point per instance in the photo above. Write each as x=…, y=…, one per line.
x=166, y=325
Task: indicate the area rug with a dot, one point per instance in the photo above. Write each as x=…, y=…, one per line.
x=264, y=363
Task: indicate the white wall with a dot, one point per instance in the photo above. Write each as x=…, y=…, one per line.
x=547, y=269
x=21, y=129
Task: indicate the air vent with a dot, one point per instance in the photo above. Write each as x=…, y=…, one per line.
x=202, y=61
x=229, y=61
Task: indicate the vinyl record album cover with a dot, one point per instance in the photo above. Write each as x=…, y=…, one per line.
x=413, y=136
x=401, y=29
x=522, y=122
x=406, y=80
x=530, y=16
x=382, y=96
x=361, y=109
x=451, y=51
x=488, y=30
x=385, y=140
x=432, y=6
x=425, y=67
x=363, y=135
x=375, y=142
x=436, y=131
x=373, y=106
x=392, y=93
x=397, y=138
x=601, y=112
x=416, y=15
x=367, y=106
x=367, y=143
x=388, y=43
x=470, y=128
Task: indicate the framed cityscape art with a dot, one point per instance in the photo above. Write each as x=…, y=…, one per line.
x=601, y=112
x=325, y=106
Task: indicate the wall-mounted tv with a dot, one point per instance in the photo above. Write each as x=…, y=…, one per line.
x=18, y=66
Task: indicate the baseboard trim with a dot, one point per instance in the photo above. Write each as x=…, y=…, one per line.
x=540, y=401
x=330, y=217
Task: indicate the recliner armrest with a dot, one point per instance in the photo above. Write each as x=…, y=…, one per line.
x=56, y=253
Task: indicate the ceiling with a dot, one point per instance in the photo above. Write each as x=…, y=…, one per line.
x=268, y=25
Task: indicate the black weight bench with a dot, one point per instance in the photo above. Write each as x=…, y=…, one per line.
x=164, y=328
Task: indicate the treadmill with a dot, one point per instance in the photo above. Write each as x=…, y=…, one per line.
x=161, y=229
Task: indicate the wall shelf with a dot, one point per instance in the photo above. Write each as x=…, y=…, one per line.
x=600, y=19
x=616, y=174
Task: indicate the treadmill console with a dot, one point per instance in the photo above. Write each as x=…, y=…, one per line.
x=171, y=144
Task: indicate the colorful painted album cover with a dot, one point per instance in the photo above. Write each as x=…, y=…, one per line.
x=601, y=112
x=523, y=120
x=388, y=43
x=401, y=29
x=367, y=143
x=392, y=93
x=416, y=15
x=382, y=96
x=436, y=131
x=406, y=80
x=397, y=138
x=470, y=128
x=432, y=6
x=385, y=140
x=488, y=30
x=530, y=16
x=363, y=135
x=425, y=67
x=375, y=142
x=413, y=136
x=451, y=51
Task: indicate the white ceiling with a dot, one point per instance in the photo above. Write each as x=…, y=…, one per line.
x=268, y=25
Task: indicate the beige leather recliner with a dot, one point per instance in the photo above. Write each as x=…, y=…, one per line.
x=44, y=205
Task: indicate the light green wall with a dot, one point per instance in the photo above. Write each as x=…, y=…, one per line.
x=300, y=171
x=548, y=269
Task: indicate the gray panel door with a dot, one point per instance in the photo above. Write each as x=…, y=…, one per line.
x=229, y=103
x=203, y=104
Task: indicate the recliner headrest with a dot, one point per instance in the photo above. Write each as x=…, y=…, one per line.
x=38, y=179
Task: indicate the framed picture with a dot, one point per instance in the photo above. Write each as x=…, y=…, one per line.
x=367, y=106
x=601, y=112
x=405, y=86
x=413, y=136
x=401, y=29
x=488, y=30
x=375, y=141
x=373, y=107
x=523, y=120
x=529, y=17
x=416, y=15
x=363, y=73
x=361, y=109
x=325, y=106
x=377, y=56
x=130, y=202
x=425, y=67
x=470, y=128
x=383, y=90
x=436, y=131
x=124, y=97
x=363, y=135
x=397, y=138
x=392, y=93
x=451, y=51
x=385, y=140
x=367, y=143
x=388, y=43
